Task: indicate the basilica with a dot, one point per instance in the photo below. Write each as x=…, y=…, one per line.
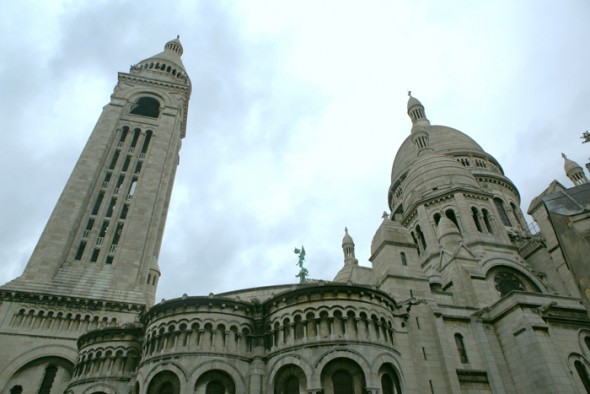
x=459, y=296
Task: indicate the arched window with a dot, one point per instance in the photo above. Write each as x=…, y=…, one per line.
x=48, y=379
x=583, y=374
x=403, y=257
x=475, y=214
x=415, y=241
x=147, y=106
x=449, y=213
x=389, y=380
x=436, y=218
x=587, y=342
x=461, y=348
x=502, y=211
x=387, y=385
x=342, y=382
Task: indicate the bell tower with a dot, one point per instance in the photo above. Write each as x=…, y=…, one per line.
x=103, y=238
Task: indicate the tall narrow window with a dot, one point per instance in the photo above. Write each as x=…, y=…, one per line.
x=103, y=229
x=146, y=141
x=48, y=379
x=475, y=214
x=138, y=167
x=415, y=241
x=486, y=220
x=89, y=224
x=111, y=207
x=118, y=232
x=124, y=133
x=114, y=159
x=94, y=256
x=502, y=211
x=98, y=202
x=119, y=183
x=461, y=348
x=132, y=187
x=436, y=218
x=126, y=163
x=515, y=213
x=136, y=134
x=583, y=374
x=403, y=257
x=421, y=237
x=124, y=211
x=18, y=389
x=80, y=250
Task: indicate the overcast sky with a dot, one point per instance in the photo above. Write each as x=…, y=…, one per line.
x=297, y=111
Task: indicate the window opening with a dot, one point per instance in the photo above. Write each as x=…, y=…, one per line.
x=126, y=163
x=90, y=224
x=515, y=213
x=48, y=379
x=436, y=218
x=475, y=214
x=415, y=241
x=124, y=133
x=118, y=232
x=583, y=374
x=18, y=389
x=98, y=202
x=104, y=228
x=450, y=214
x=486, y=220
x=109, y=260
x=502, y=211
x=124, y=211
x=138, y=167
x=119, y=183
x=421, y=237
x=291, y=385
x=587, y=342
x=146, y=141
x=136, y=134
x=107, y=178
x=114, y=159
x=147, y=106
x=111, y=207
x=215, y=387
x=80, y=250
x=403, y=257
x=461, y=348
x=95, y=253
x=342, y=382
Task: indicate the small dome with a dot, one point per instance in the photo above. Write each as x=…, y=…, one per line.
x=569, y=165
x=347, y=240
x=174, y=46
x=412, y=101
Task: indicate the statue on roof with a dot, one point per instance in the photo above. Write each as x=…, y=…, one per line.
x=585, y=136
x=303, y=272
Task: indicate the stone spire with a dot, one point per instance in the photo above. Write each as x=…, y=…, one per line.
x=574, y=171
x=348, y=248
x=416, y=110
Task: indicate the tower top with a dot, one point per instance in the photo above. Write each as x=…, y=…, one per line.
x=416, y=110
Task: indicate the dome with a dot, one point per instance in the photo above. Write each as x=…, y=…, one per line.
x=442, y=139
x=166, y=62
x=347, y=239
x=569, y=165
x=412, y=101
x=433, y=173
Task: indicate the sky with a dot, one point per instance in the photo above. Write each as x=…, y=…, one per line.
x=296, y=114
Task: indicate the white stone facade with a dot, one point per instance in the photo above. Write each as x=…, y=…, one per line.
x=460, y=296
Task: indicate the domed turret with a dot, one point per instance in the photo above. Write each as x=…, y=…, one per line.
x=348, y=248
x=416, y=110
x=574, y=171
x=449, y=236
x=167, y=62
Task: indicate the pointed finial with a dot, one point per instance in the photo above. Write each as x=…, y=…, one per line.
x=385, y=215
x=409, y=93
x=563, y=155
x=178, y=36
x=346, y=230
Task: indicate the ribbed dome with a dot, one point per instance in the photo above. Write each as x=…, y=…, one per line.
x=433, y=173
x=413, y=101
x=569, y=165
x=347, y=239
x=442, y=140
